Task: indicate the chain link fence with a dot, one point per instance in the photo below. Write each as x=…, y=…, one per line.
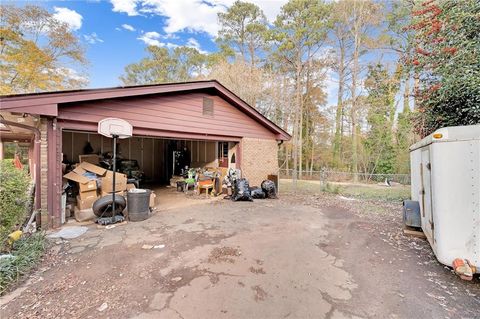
x=348, y=177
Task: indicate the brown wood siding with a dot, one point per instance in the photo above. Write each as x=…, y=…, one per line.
x=182, y=112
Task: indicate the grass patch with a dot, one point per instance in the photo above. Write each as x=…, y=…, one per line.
x=331, y=188
x=366, y=191
x=25, y=254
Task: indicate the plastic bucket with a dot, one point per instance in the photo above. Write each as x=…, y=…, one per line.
x=138, y=204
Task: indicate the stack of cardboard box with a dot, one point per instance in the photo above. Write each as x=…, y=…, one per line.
x=107, y=183
x=92, y=181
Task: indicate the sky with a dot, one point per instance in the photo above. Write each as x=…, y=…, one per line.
x=115, y=33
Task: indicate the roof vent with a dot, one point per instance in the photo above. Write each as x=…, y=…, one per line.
x=207, y=106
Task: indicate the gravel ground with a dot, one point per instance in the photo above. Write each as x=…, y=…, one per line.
x=301, y=256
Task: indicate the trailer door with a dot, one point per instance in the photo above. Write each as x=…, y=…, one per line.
x=426, y=195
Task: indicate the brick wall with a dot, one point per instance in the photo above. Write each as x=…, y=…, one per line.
x=259, y=159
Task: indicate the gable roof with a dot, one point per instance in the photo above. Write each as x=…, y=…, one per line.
x=46, y=103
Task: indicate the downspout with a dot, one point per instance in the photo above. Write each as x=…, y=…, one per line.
x=36, y=155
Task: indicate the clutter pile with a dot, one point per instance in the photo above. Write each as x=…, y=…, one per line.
x=269, y=188
x=238, y=188
x=241, y=190
x=88, y=191
x=206, y=179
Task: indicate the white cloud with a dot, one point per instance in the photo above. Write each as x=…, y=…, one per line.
x=170, y=36
x=170, y=45
x=126, y=6
x=190, y=15
x=193, y=43
x=271, y=8
x=128, y=27
x=151, y=38
x=185, y=15
x=72, y=75
x=92, y=38
x=70, y=17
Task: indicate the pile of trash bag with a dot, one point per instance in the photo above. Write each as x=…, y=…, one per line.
x=257, y=193
x=241, y=190
x=269, y=188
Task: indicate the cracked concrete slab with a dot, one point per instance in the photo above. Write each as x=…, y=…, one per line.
x=266, y=259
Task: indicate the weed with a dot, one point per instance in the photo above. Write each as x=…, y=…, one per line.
x=25, y=254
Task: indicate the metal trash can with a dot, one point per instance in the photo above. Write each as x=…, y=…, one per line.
x=138, y=204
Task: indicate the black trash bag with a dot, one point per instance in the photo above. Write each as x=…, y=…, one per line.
x=257, y=193
x=269, y=188
x=241, y=191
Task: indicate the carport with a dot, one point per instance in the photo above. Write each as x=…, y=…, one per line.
x=203, y=118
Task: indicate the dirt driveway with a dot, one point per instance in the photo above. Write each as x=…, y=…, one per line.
x=296, y=257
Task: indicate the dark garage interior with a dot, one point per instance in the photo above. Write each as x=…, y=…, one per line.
x=152, y=156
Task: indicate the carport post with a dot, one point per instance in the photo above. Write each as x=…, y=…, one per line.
x=114, y=173
x=114, y=128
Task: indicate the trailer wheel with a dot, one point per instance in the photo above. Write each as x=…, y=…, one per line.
x=103, y=206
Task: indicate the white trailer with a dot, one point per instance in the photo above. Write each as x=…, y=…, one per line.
x=445, y=181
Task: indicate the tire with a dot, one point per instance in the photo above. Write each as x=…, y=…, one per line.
x=103, y=206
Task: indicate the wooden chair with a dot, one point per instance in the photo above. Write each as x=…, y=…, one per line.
x=206, y=185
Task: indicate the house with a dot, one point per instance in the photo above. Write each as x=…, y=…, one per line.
x=213, y=125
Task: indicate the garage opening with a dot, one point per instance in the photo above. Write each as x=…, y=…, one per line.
x=145, y=162
x=151, y=161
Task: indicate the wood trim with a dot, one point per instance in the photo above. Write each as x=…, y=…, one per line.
x=90, y=127
x=34, y=100
x=19, y=100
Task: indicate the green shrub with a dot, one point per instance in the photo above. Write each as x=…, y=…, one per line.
x=331, y=188
x=25, y=254
x=14, y=197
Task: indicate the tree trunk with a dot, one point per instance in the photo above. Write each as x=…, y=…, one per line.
x=287, y=157
x=355, y=71
x=406, y=95
x=416, y=89
x=296, y=138
x=299, y=118
x=311, y=159
x=338, y=116
x=300, y=138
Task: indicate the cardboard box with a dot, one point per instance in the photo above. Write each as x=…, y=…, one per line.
x=120, y=183
x=86, y=203
x=93, y=168
x=89, y=158
x=76, y=177
x=130, y=186
x=83, y=215
x=85, y=184
x=152, y=199
x=117, y=175
x=88, y=187
x=87, y=195
x=120, y=193
x=79, y=170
